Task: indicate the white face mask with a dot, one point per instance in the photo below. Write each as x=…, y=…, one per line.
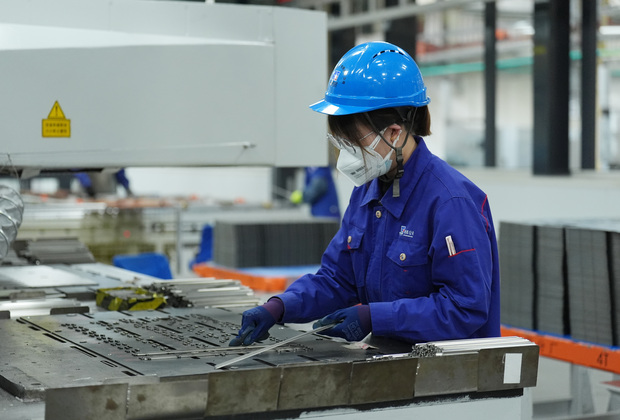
x=360, y=168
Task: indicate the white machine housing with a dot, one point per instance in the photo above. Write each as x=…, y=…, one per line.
x=161, y=83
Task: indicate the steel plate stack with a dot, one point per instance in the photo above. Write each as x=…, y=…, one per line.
x=588, y=285
x=205, y=292
x=550, y=272
x=576, y=278
x=516, y=255
x=240, y=244
x=614, y=251
x=53, y=251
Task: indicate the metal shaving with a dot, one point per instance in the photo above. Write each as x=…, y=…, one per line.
x=425, y=350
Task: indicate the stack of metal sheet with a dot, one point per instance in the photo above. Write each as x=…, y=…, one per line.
x=39, y=276
x=614, y=251
x=451, y=347
x=589, y=285
x=54, y=251
x=516, y=255
x=576, y=279
x=205, y=292
x=551, y=307
x=238, y=245
x=38, y=290
x=271, y=243
x=42, y=306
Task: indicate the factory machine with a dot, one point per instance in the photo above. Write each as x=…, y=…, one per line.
x=100, y=84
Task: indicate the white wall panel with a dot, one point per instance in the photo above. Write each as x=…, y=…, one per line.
x=172, y=84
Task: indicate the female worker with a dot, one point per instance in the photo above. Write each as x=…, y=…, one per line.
x=416, y=256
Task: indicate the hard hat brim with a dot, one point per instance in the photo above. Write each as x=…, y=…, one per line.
x=329, y=108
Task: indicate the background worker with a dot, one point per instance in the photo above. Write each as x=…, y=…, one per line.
x=103, y=183
x=416, y=256
x=320, y=192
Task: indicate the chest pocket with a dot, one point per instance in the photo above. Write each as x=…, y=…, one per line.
x=407, y=274
x=407, y=253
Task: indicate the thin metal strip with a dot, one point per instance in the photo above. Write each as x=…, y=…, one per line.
x=273, y=346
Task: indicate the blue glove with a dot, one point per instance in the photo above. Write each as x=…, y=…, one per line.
x=256, y=322
x=355, y=323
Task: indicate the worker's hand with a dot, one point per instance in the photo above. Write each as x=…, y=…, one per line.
x=355, y=323
x=297, y=197
x=256, y=322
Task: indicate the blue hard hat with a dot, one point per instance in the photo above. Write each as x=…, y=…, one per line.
x=371, y=76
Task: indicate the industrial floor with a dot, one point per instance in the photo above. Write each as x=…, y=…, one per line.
x=569, y=392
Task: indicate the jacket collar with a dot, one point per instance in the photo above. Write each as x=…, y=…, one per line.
x=414, y=168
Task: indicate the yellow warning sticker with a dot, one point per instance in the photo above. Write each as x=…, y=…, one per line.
x=56, y=124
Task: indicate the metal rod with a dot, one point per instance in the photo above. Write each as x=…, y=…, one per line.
x=481, y=342
x=192, y=351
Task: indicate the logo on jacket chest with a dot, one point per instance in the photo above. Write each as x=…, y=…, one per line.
x=407, y=233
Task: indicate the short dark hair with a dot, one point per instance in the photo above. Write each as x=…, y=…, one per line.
x=348, y=126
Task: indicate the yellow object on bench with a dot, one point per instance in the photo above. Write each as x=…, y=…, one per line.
x=129, y=298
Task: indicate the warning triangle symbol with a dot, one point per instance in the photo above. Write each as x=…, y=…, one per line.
x=56, y=112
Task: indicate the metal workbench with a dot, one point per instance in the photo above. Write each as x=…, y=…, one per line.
x=82, y=362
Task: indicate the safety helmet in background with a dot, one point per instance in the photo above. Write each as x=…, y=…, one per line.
x=371, y=76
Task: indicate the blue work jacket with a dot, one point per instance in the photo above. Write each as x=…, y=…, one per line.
x=426, y=262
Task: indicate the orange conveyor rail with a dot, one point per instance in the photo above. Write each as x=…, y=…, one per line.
x=255, y=282
x=576, y=352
